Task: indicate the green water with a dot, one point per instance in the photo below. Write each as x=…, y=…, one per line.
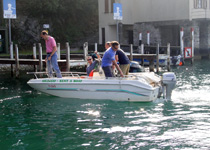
x=30, y=120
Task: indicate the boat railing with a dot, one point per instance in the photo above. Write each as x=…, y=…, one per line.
x=65, y=74
x=83, y=75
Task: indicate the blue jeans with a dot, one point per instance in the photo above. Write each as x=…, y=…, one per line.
x=108, y=71
x=53, y=64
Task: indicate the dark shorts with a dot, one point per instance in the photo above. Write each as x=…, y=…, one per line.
x=108, y=71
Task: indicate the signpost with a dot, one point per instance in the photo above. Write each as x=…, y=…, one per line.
x=117, y=15
x=188, y=52
x=46, y=26
x=9, y=8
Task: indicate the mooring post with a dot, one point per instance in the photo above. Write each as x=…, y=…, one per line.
x=131, y=52
x=157, y=58
x=11, y=57
x=142, y=52
x=140, y=42
x=16, y=61
x=193, y=44
x=67, y=57
x=148, y=38
x=96, y=47
x=40, y=58
x=34, y=51
x=182, y=42
x=168, y=58
x=151, y=65
x=59, y=51
x=11, y=51
x=85, y=49
x=34, y=55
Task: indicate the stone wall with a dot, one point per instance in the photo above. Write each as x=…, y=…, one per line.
x=169, y=31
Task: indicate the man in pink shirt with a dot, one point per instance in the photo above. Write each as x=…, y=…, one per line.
x=51, y=58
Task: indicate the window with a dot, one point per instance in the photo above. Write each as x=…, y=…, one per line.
x=112, y=5
x=130, y=36
x=106, y=6
x=103, y=36
x=200, y=4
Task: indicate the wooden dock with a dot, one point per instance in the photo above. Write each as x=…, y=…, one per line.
x=32, y=62
x=67, y=62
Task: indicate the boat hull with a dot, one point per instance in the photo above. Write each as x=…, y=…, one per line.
x=106, y=89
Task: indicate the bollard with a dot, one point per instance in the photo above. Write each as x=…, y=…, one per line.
x=59, y=51
x=67, y=57
x=157, y=58
x=11, y=51
x=131, y=52
x=85, y=49
x=96, y=47
x=16, y=61
x=168, y=58
x=40, y=58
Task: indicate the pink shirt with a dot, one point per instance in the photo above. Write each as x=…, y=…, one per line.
x=50, y=44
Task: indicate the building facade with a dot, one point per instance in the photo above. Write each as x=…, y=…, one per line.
x=162, y=18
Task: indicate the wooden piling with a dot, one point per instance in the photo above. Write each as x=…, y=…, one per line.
x=59, y=51
x=11, y=51
x=142, y=52
x=193, y=45
x=34, y=56
x=157, y=58
x=40, y=58
x=11, y=57
x=67, y=57
x=182, y=42
x=34, y=51
x=17, y=73
x=151, y=65
x=168, y=58
x=96, y=47
x=131, y=52
x=85, y=49
x=148, y=38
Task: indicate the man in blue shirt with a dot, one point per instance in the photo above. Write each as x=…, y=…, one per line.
x=109, y=59
x=123, y=61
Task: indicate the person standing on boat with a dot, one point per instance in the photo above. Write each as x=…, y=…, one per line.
x=92, y=63
x=109, y=59
x=51, y=58
x=123, y=61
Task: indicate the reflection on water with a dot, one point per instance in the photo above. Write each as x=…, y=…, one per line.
x=32, y=120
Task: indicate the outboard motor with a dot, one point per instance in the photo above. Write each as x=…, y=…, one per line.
x=135, y=67
x=169, y=82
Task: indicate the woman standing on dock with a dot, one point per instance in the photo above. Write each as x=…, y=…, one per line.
x=51, y=59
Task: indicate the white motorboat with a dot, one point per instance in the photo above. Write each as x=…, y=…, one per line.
x=140, y=87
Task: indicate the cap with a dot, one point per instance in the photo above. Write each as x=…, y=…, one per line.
x=44, y=31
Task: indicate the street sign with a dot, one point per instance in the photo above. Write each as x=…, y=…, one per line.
x=188, y=52
x=9, y=7
x=117, y=11
x=46, y=26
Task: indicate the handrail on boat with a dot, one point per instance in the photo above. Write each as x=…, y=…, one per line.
x=73, y=74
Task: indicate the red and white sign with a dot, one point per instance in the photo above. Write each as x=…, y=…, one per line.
x=188, y=52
